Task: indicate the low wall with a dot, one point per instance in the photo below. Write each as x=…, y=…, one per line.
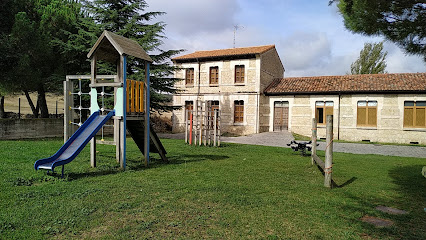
x=31, y=128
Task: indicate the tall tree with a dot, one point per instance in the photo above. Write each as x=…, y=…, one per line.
x=130, y=19
x=372, y=60
x=400, y=21
x=29, y=50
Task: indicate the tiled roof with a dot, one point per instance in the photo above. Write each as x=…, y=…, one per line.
x=225, y=52
x=366, y=83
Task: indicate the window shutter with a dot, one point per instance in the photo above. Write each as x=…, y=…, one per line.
x=361, y=116
x=408, y=117
x=420, y=117
x=372, y=116
x=328, y=111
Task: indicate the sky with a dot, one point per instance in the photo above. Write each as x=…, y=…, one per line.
x=309, y=35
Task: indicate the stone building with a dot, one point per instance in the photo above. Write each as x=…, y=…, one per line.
x=248, y=87
x=370, y=107
x=232, y=80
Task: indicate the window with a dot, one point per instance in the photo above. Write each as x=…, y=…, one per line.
x=189, y=76
x=366, y=113
x=239, y=73
x=189, y=106
x=322, y=109
x=215, y=105
x=214, y=75
x=414, y=114
x=238, y=111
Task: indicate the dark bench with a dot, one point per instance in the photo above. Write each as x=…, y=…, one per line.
x=301, y=146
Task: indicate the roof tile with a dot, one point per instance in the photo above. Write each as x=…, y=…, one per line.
x=226, y=52
x=395, y=82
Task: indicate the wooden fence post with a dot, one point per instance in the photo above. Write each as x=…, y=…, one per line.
x=186, y=125
x=314, y=139
x=215, y=127
x=328, y=168
x=191, y=117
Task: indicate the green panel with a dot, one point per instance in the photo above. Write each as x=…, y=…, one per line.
x=119, y=106
x=94, y=107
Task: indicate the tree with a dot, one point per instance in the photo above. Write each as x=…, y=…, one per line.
x=372, y=60
x=400, y=21
x=29, y=49
x=129, y=19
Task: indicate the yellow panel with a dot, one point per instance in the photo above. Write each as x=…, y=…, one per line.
x=372, y=116
x=141, y=100
x=132, y=95
x=361, y=116
x=137, y=96
x=420, y=117
x=408, y=117
x=328, y=111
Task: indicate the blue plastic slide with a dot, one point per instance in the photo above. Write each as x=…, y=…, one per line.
x=75, y=144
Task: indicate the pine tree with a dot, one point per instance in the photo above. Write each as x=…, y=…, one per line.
x=129, y=19
x=400, y=21
x=371, y=60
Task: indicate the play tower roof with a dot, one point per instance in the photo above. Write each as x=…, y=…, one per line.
x=110, y=46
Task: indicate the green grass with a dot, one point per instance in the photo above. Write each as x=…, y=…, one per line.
x=231, y=192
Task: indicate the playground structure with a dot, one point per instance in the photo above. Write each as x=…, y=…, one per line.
x=327, y=165
x=202, y=125
x=131, y=106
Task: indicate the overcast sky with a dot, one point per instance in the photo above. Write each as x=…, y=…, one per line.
x=309, y=35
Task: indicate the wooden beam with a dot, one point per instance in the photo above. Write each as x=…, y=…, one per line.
x=314, y=140
x=108, y=84
x=328, y=167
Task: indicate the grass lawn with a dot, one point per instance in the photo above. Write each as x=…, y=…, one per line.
x=231, y=192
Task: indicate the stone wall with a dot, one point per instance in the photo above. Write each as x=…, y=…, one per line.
x=31, y=128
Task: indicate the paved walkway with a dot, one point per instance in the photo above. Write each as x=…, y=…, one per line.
x=280, y=139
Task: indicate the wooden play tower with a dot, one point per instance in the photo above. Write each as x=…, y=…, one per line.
x=131, y=98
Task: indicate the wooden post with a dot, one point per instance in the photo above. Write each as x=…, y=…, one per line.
x=215, y=127
x=190, y=128
x=67, y=109
x=200, y=119
x=218, y=128
x=314, y=140
x=19, y=108
x=147, y=114
x=185, y=117
x=328, y=168
x=93, y=141
x=117, y=139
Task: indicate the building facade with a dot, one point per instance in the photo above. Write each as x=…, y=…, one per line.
x=231, y=80
x=371, y=107
x=247, y=86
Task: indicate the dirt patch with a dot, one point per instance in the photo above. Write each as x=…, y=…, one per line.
x=390, y=210
x=377, y=222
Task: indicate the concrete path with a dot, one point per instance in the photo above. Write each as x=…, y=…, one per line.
x=280, y=139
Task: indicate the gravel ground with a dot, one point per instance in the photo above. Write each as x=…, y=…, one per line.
x=280, y=139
